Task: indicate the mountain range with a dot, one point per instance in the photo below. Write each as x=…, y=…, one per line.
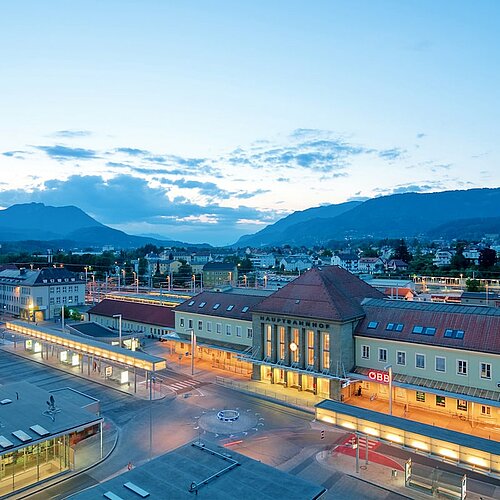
x=465, y=214
x=66, y=227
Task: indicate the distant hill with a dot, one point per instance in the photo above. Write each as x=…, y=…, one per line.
x=277, y=232
x=467, y=229
x=396, y=216
x=67, y=226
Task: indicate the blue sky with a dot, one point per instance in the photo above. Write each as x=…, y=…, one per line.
x=206, y=120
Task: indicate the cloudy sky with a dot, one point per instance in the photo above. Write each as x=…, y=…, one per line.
x=205, y=120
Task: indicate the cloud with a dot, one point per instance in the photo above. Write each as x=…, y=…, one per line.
x=20, y=155
x=66, y=153
x=126, y=201
x=71, y=133
x=132, y=151
x=421, y=135
x=391, y=154
x=423, y=187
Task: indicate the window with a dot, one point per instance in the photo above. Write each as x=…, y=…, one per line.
x=485, y=410
x=218, y=328
x=200, y=324
x=228, y=330
x=268, y=341
x=424, y=330
x=461, y=404
x=326, y=351
x=310, y=347
x=295, y=340
x=245, y=309
x=209, y=326
x=486, y=370
x=190, y=323
x=191, y=302
x=401, y=358
x=394, y=327
x=281, y=336
x=230, y=307
x=202, y=304
x=249, y=333
x=420, y=396
x=216, y=306
x=453, y=334
x=440, y=401
x=365, y=351
x=440, y=364
x=382, y=355
x=372, y=325
x=238, y=331
x=419, y=360
x=461, y=367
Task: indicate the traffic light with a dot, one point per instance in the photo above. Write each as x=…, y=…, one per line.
x=322, y=434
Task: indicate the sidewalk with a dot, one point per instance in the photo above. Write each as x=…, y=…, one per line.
x=159, y=391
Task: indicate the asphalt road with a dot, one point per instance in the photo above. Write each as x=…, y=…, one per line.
x=280, y=435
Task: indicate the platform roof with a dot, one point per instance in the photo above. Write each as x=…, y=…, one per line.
x=89, y=346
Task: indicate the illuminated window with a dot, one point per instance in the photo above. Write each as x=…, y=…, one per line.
x=295, y=340
x=326, y=351
x=281, y=333
x=310, y=347
x=440, y=401
x=420, y=396
x=268, y=341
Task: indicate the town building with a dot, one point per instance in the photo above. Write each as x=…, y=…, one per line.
x=216, y=274
x=262, y=260
x=443, y=257
x=348, y=261
x=294, y=263
x=40, y=294
x=371, y=265
x=222, y=324
x=136, y=318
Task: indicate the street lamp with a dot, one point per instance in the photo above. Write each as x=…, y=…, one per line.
x=119, y=316
x=389, y=368
x=136, y=281
x=193, y=347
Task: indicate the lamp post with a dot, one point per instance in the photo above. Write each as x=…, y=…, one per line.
x=62, y=318
x=389, y=368
x=136, y=281
x=119, y=316
x=193, y=347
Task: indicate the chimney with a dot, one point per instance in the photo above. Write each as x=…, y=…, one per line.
x=22, y=271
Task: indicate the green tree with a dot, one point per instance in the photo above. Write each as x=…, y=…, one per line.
x=472, y=285
x=401, y=252
x=487, y=258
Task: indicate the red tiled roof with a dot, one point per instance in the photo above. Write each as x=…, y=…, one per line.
x=481, y=325
x=328, y=292
x=133, y=311
x=207, y=301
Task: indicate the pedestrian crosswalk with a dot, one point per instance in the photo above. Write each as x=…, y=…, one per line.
x=183, y=385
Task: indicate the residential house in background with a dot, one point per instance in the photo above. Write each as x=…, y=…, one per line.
x=298, y=262
x=217, y=274
x=396, y=266
x=348, y=261
x=371, y=265
x=443, y=257
x=263, y=260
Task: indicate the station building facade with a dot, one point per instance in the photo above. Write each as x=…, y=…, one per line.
x=444, y=357
x=303, y=333
x=222, y=323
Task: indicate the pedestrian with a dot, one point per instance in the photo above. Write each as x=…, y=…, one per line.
x=359, y=391
x=129, y=466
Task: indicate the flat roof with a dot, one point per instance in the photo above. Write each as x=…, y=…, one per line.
x=89, y=346
x=172, y=475
x=404, y=424
x=24, y=420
